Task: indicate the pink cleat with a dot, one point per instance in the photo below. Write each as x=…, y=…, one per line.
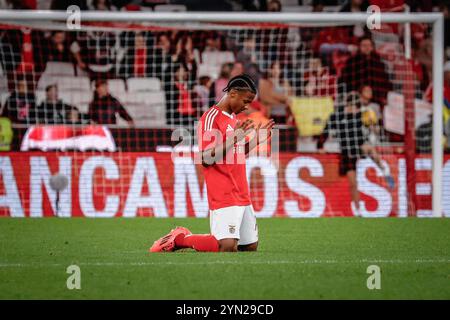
x=167, y=243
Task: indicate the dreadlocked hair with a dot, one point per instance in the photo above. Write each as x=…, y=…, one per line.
x=241, y=82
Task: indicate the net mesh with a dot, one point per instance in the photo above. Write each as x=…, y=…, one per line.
x=335, y=89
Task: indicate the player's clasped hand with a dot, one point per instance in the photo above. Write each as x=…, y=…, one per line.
x=242, y=129
x=248, y=127
x=268, y=130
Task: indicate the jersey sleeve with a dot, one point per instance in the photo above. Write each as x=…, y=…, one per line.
x=208, y=132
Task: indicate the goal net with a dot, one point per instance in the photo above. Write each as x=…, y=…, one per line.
x=109, y=104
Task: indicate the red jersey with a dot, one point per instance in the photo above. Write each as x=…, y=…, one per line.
x=226, y=181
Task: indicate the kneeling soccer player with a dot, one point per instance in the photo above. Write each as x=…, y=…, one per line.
x=223, y=147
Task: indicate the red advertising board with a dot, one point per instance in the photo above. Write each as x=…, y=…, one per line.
x=153, y=184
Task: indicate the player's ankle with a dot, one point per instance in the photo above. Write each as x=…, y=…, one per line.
x=179, y=240
x=355, y=209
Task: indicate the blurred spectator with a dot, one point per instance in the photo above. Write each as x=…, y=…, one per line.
x=418, y=32
x=423, y=53
x=62, y=49
x=237, y=69
x=366, y=67
x=73, y=116
x=391, y=5
x=334, y=45
x=163, y=58
x=355, y=6
x=52, y=110
x=318, y=81
x=103, y=5
x=324, y=3
x=274, y=6
x=331, y=39
x=64, y=4
x=318, y=5
x=251, y=5
x=338, y=61
x=140, y=56
x=23, y=55
x=266, y=49
x=180, y=100
x=396, y=66
x=185, y=54
x=97, y=50
x=5, y=4
x=152, y=3
x=202, y=90
x=208, y=40
x=216, y=92
x=421, y=64
x=444, y=7
x=366, y=95
x=21, y=104
x=18, y=4
x=104, y=108
x=249, y=56
x=429, y=92
x=254, y=72
x=58, y=48
x=421, y=75
x=274, y=91
x=212, y=43
x=130, y=7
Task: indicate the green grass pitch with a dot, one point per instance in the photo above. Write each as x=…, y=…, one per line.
x=325, y=258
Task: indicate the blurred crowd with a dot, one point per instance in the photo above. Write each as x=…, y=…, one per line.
x=285, y=62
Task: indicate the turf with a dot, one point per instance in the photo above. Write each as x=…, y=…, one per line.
x=323, y=258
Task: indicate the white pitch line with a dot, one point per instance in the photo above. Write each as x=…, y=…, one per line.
x=274, y=262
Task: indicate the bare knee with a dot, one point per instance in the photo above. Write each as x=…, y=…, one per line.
x=226, y=248
x=228, y=245
x=249, y=247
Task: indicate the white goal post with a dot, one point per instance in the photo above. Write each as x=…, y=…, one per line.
x=436, y=19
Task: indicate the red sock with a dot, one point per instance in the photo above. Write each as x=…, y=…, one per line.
x=199, y=242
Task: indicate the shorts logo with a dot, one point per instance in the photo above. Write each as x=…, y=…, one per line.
x=232, y=229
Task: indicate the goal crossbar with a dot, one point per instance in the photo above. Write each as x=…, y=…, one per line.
x=222, y=17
